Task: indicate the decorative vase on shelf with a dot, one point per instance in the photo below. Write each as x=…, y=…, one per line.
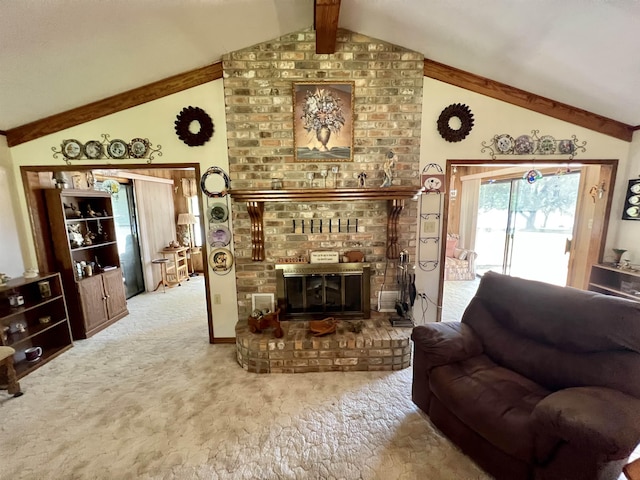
x=618, y=252
x=323, y=134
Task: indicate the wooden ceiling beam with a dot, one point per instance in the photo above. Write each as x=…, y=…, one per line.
x=326, y=24
x=530, y=101
x=116, y=103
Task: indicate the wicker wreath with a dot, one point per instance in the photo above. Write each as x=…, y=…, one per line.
x=463, y=113
x=184, y=119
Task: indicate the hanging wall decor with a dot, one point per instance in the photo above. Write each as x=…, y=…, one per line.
x=532, y=176
x=194, y=115
x=116, y=149
x=505, y=144
x=215, y=194
x=631, y=209
x=323, y=121
x=463, y=114
x=431, y=203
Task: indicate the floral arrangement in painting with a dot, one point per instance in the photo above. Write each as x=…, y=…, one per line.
x=322, y=114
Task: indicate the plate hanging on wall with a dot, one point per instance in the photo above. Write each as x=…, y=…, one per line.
x=219, y=236
x=218, y=212
x=221, y=260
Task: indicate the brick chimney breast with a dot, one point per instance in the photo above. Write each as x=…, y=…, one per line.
x=387, y=112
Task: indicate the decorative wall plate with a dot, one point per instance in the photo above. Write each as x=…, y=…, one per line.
x=635, y=188
x=110, y=186
x=117, y=149
x=71, y=149
x=547, y=145
x=633, y=211
x=221, y=260
x=225, y=177
x=219, y=236
x=138, y=147
x=505, y=143
x=565, y=147
x=93, y=149
x=635, y=200
x=524, y=145
x=218, y=212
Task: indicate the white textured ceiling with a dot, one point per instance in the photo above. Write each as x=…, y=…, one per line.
x=59, y=54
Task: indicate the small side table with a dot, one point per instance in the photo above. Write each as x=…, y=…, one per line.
x=163, y=271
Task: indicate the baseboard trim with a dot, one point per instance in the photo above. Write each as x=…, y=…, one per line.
x=224, y=340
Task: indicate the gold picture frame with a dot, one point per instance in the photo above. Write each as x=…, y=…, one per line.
x=323, y=121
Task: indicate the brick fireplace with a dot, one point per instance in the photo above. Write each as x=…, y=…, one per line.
x=259, y=111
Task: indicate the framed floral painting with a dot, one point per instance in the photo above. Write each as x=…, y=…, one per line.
x=323, y=121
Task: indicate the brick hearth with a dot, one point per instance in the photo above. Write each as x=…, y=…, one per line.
x=379, y=346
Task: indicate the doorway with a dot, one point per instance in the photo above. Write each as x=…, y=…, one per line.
x=35, y=178
x=550, y=245
x=525, y=225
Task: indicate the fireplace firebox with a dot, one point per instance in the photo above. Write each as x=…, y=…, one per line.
x=312, y=291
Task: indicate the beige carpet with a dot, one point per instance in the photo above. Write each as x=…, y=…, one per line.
x=150, y=398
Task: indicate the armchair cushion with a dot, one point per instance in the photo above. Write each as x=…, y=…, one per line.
x=446, y=342
x=493, y=401
x=452, y=243
x=595, y=419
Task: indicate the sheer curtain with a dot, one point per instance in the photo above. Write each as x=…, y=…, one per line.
x=469, y=213
x=156, y=219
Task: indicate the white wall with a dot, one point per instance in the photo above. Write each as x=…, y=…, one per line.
x=493, y=117
x=11, y=259
x=155, y=121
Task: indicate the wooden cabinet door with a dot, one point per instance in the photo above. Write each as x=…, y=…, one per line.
x=92, y=302
x=116, y=300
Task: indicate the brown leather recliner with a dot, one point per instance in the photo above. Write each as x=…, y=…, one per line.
x=537, y=381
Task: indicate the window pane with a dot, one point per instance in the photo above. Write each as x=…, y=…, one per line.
x=194, y=206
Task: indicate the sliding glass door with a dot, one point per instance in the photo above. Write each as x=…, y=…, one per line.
x=524, y=229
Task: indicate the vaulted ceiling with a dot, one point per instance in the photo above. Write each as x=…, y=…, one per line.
x=56, y=55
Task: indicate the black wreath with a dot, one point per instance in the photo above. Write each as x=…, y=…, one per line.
x=194, y=114
x=466, y=119
x=225, y=177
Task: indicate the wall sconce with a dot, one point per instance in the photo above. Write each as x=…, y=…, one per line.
x=597, y=191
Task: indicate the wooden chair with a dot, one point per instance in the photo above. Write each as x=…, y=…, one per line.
x=6, y=364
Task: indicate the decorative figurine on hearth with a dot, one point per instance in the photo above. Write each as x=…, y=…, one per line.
x=260, y=320
x=388, y=168
x=362, y=177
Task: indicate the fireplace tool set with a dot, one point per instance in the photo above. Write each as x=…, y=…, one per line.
x=405, y=280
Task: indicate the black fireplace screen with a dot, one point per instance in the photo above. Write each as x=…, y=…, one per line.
x=319, y=290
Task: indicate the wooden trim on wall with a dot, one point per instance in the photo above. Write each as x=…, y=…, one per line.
x=326, y=15
x=224, y=340
x=530, y=101
x=113, y=104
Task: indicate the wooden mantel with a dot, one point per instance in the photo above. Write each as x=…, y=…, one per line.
x=255, y=207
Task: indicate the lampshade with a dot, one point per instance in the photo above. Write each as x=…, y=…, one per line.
x=186, y=219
